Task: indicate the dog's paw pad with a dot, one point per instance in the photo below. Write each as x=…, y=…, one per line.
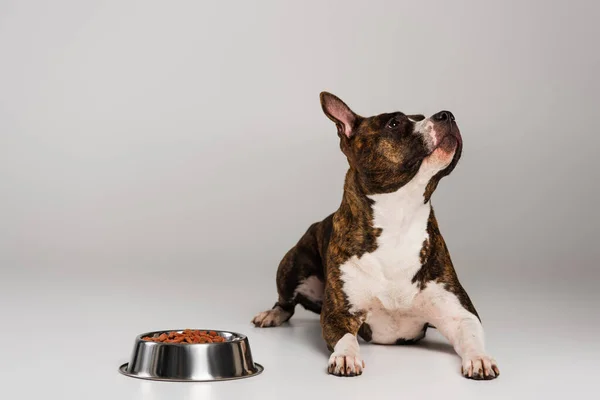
x=345, y=365
x=480, y=367
x=270, y=318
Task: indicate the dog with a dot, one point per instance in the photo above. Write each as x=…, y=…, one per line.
x=378, y=267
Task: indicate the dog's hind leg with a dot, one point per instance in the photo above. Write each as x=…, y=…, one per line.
x=300, y=278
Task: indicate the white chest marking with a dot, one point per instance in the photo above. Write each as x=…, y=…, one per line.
x=380, y=283
x=383, y=278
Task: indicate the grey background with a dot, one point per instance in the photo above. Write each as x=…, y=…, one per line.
x=157, y=159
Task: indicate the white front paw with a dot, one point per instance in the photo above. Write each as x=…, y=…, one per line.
x=345, y=365
x=345, y=359
x=479, y=367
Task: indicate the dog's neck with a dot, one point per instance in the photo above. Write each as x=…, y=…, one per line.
x=398, y=211
x=395, y=208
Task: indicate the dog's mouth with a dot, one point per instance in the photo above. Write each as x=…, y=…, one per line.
x=451, y=144
x=455, y=132
x=452, y=131
x=450, y=137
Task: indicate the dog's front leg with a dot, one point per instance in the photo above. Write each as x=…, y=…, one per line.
x=463, y=329
x=340, y=328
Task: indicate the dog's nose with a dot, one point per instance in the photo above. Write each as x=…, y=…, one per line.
x=443, y=116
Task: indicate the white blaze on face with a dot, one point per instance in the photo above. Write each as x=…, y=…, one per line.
x=439, y=158
x=426, y=128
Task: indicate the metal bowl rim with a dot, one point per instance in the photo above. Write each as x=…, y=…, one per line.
x=123, y=371
x=139, y=337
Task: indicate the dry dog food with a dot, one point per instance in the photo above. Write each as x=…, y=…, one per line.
x=189, y=336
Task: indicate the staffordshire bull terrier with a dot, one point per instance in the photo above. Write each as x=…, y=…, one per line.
x=378, y=267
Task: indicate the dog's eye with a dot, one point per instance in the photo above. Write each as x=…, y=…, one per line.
x=393, y=123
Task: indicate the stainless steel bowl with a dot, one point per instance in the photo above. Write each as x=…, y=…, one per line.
x=191, y=362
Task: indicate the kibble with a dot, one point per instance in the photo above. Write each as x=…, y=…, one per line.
x=188, y=336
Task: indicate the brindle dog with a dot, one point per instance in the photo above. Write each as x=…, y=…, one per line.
x=378, y=267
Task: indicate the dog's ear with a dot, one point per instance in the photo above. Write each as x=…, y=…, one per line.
x=337, y=111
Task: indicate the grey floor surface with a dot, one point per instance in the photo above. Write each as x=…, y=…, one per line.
x=66, y=334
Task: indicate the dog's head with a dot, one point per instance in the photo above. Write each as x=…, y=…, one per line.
x=387, y=151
